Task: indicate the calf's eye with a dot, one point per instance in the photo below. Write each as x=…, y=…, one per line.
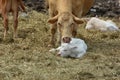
x=65, y=50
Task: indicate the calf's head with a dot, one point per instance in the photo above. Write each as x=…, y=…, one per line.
x=67, y=24
x=66, y=49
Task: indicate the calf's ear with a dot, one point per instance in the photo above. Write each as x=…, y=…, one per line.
x=53, y=20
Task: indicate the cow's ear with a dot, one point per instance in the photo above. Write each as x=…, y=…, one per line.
x=53, y=20
x=78, y=20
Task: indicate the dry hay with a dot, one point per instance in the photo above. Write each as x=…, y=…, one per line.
x=27, y=58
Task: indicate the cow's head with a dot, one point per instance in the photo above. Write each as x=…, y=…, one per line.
x=67, y=24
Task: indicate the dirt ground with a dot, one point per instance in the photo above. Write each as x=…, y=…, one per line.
x=28, y=57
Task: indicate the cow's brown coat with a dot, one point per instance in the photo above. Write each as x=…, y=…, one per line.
x=7, y=6
x=65, y=15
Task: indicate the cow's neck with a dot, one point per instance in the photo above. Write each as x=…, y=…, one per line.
x=65, y=7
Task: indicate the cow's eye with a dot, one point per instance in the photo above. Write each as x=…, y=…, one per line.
x=59, y=24
x=72, y=24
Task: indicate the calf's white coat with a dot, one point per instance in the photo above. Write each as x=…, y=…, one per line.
x=76, y=48
x=98, y=24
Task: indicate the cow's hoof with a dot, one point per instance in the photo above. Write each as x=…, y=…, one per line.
x=15, y=36
x=4, y=38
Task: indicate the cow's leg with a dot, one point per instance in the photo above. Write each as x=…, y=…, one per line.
x=59, y=36
x=5, y=23
x=53, y=31
x=15, y=25
x=53, y=28
x=22, y=5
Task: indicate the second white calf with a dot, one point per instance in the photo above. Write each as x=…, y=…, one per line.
x=98, y=24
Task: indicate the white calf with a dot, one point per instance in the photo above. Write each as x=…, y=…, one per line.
x=98, y=24
x=76, y=48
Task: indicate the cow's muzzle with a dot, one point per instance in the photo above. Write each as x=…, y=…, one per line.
x=66, y=39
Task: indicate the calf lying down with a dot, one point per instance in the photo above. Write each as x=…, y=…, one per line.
x=75, y=49
x=98, y=24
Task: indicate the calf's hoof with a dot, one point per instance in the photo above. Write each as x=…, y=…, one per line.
x=51, y=45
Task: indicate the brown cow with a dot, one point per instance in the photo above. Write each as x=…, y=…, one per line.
x=65, y=15
x=13, y=6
